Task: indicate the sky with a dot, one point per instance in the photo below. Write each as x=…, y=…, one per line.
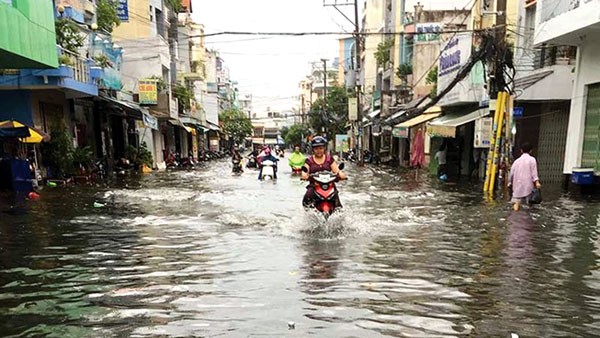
x=270, y=68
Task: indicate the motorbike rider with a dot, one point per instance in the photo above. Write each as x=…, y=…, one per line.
x=262, y=154
x=235, y=156
x=297, y=159
x=267, y=157
x=319, y=161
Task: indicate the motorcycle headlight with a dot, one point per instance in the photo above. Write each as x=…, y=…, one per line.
x=325, y=186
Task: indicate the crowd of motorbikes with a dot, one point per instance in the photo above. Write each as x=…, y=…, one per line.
x=175, y=160
x=323, y=182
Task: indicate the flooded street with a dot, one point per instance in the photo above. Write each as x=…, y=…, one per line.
x=203, y=253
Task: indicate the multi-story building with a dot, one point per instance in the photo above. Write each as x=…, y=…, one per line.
x=144, y=35
x=313, y=86
x=576, y=23
x=543, y=86
x=245, y=102
x=43, y=84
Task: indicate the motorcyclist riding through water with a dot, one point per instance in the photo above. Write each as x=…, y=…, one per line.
x=267, y=157
x=236, y=160
x=319, y=161
x=296, y=160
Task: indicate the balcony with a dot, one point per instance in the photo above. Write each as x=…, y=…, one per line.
x=75, y=76
x=563, y=22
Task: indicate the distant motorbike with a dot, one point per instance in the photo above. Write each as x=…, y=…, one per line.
x=296, y=170
x=325, y=190
x=237, y=166
x=268, y=170
x=251, y=162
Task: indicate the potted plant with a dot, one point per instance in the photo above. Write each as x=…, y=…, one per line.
x=82, y=158
x=66, y=60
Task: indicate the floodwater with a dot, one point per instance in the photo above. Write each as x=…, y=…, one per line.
x=207, y=254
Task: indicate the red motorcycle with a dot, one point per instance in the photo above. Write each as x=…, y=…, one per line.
x=296, y=170
x=325, y=190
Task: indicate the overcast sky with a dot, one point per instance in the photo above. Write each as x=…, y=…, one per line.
x=270, y=68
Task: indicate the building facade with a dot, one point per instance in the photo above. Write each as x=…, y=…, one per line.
x=575, y=23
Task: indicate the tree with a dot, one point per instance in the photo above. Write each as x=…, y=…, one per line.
x=284, y=131
x=432, y=79
x=236, y=124
x=106, y=11
x=175, y=5
x=334, y=118
x=382, y=54
x=68, y=35
x=184, y=97
x=295, y=134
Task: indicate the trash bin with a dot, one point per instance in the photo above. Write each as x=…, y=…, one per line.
x=582, y=176
x=21, y=177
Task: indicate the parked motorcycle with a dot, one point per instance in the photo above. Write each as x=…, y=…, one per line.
x=188, y=162
x=325, y=190
x=268, y=170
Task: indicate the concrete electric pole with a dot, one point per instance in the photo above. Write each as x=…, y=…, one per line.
x=358, y=49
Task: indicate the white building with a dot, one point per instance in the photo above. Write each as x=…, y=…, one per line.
x=245, y=102
x=576, y=23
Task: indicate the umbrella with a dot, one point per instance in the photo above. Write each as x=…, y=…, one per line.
x=25, y=133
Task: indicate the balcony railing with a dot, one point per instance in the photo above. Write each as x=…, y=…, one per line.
x=554, y=8
x=80, y=66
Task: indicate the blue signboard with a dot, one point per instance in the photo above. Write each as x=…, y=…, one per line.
x=518, y=112
x=123, y=10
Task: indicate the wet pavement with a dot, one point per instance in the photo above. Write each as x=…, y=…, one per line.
x=207, y=254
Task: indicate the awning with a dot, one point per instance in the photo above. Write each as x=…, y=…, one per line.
x=188, y=120
x=129, y=109
x=418, y=120
x=213, y=126
x=176, y=122
x=374, y=113
x=395, y=116
x=150, y=121
x=446, y=125
x=546, y=85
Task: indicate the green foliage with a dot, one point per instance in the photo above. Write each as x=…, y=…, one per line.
x=57, y=155
x=82, y=157
x=139, y=156
x=432, y=79
x=68, y=35
x=404, y=70
x=161, y=85
x=284, y=131
x=294, y=135
x=106, y=11
x=333, y=119
x=175, y=5
x=382, y=54
x=65, y=60
x=102, y=61
x=184, y=95
x=236, y=124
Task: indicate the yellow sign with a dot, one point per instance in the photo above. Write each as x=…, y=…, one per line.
x=148, y=90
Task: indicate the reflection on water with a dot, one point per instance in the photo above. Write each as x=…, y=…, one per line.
x=204, y=253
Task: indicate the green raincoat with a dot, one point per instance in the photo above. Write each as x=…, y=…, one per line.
x=296, y=160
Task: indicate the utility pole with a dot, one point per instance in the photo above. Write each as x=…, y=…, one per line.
x=324, y=90
x=358, y=49
x=357, y=44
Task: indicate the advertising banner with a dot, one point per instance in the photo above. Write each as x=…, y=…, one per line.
x=148, y=90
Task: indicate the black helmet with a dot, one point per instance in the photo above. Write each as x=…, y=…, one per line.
x=318, y=141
